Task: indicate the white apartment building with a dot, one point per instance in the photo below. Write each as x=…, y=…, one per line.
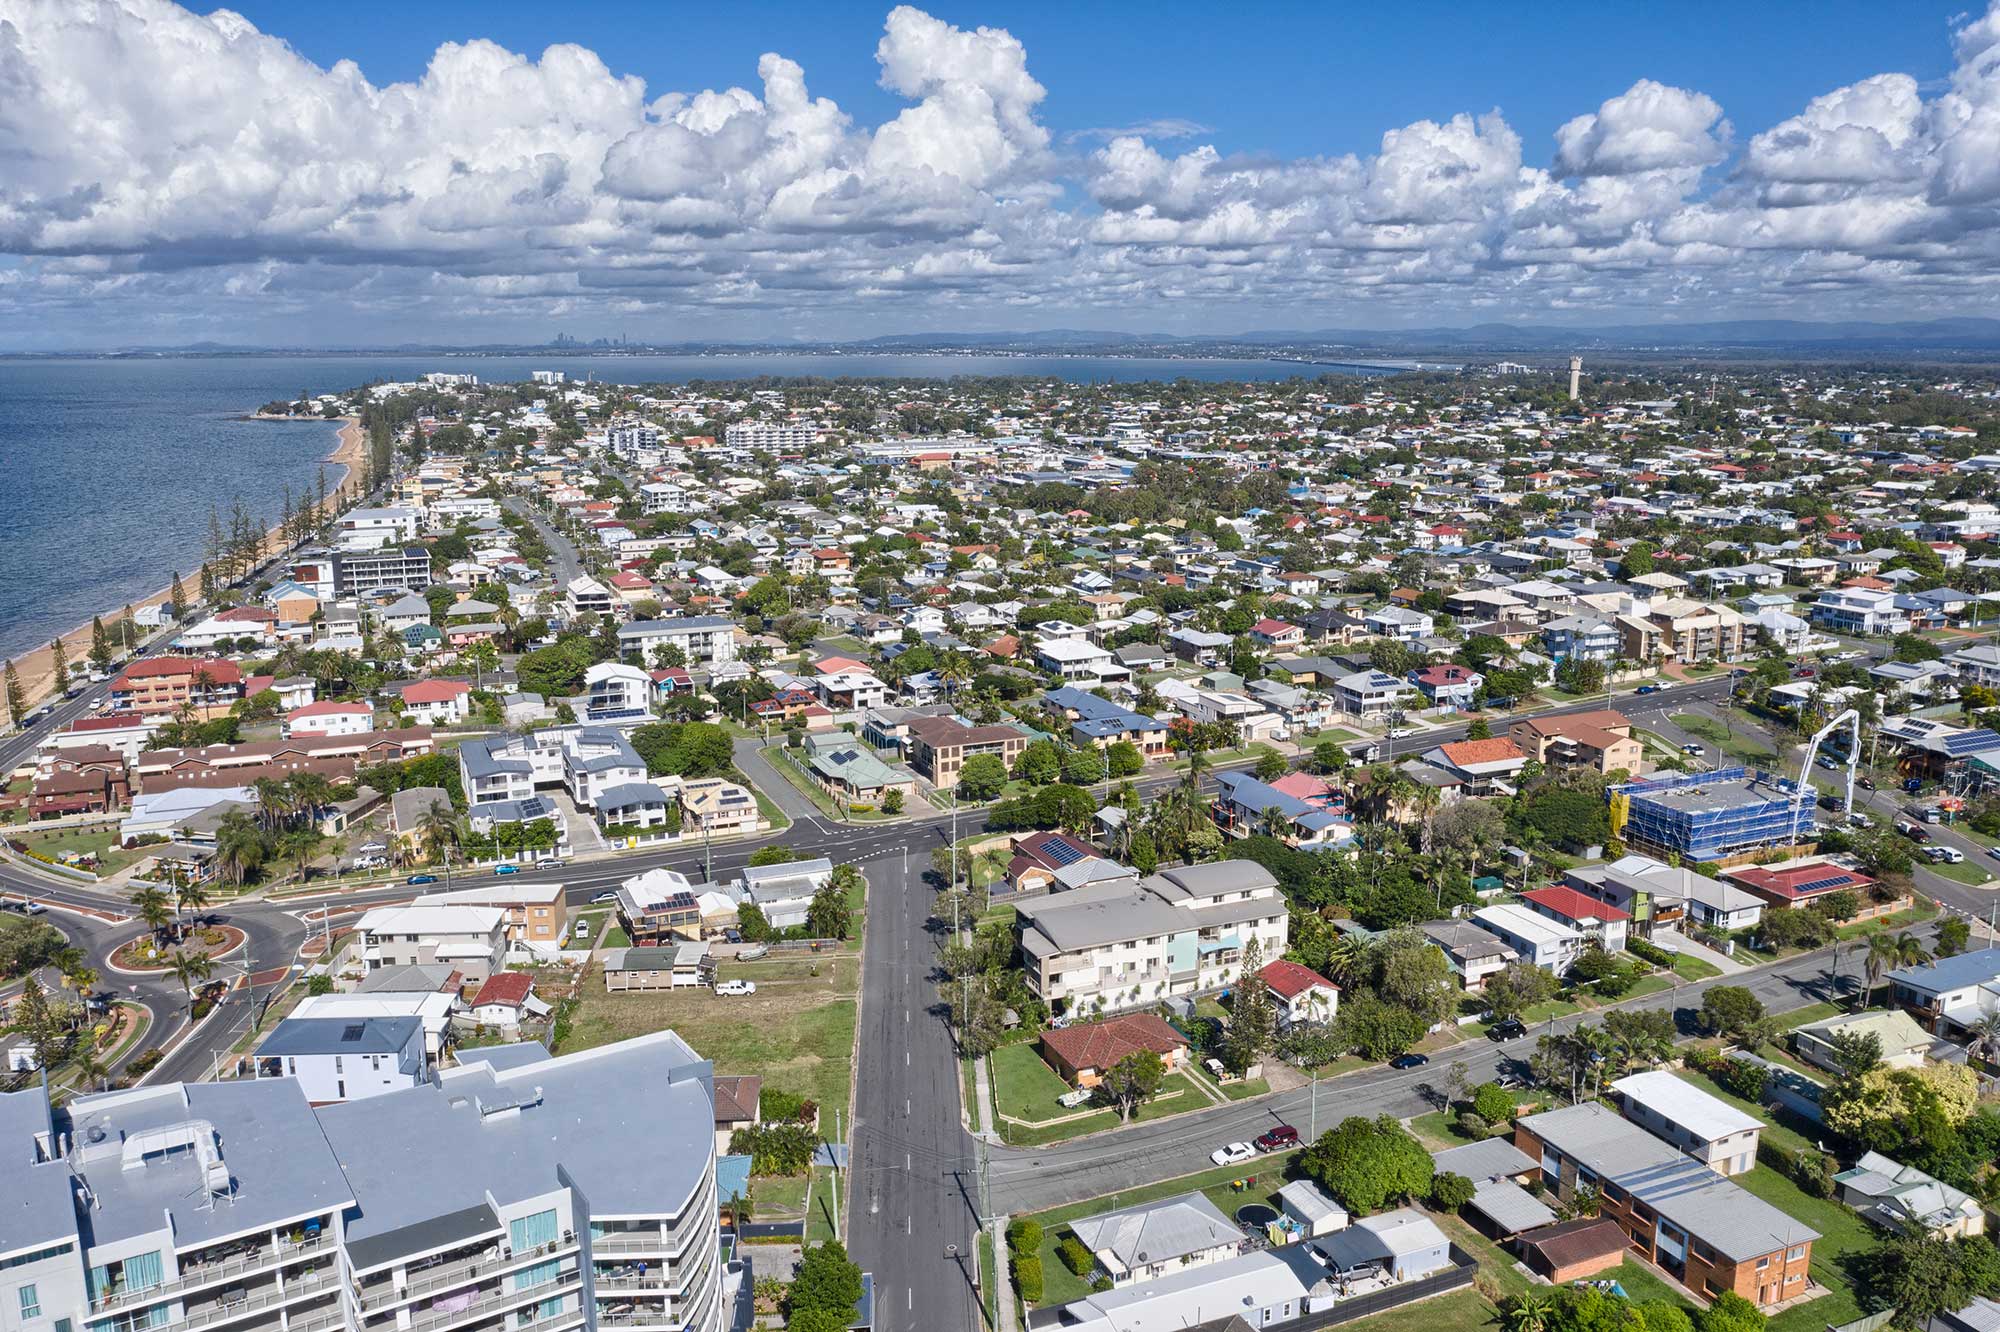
x=705, y=640
x=1546, y=943
x=1681, y=1114
x=471, y=938
x=367, y=529
x=331, y=718
x=1129, y=943
x=1857, y=610
x=477, y=1203
x=345, y=1059
x=586, y=761
x=586, y=596
x=769, y=435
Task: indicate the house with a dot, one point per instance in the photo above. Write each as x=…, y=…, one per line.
x=1399, y=624
x=659, y=909
x=534, y=913
x=1082, y=1053
x=1244, y=806
x=1536, y=938
x=849, y=770
x=1487, y=766
x=1601, y=741
x=1799, y=883
x=471, y=938
x=1277, y=634
x=1598, y=922
x=1500, y=1206
x=1721, y=906
x=330, y=718
x=1681, y=1114
x=1100, y=722
x=437, y=702
x=616, y=692
x=738, y=1105
x=1648, y=891
x=1906, y=1200
x=1903, y=1043
x=1299, y=994
x=785, y=892
x=1370, y=693
x=1128, y=943
x=342, y=1059
x=717, y=807
x=1952, y=993
x=506, y=999
x=1709, y=1234
x=1151, y=1240
x=1474, y=953
x=1585, y=637
x=1039, y=857
x=672, y=967
x=1855, y=610
x=1074, y=659
x=1448, y=685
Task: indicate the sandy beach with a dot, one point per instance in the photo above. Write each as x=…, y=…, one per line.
x=37, y=669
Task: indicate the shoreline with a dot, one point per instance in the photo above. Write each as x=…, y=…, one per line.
x=36, y=668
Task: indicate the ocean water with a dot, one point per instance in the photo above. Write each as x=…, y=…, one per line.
x=109, y=467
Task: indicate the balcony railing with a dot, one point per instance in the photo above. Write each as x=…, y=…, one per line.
x=193, y=1276
x=228, y=1312
x=486, y=1303
x=463, y=1272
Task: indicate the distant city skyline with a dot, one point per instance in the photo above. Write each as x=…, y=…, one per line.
x=307, y=175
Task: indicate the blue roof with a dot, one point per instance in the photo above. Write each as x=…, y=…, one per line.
x=1250, y=793
x=628, y=794
x=321, y=1036
x=1951, y=973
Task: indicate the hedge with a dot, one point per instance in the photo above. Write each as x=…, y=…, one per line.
x=1075, y=1256
x=1028, y=1277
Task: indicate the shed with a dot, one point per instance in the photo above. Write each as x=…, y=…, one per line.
x=1312, y=1207
x=1572, y=1250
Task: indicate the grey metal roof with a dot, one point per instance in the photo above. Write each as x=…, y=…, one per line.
x=518, y=1054
x=341, y=1036
x=1510, y=1206
x=1157, y=1231
x=1492, y=1158
x=1727, y=1218
x=37, y=1207
x=1951, y=973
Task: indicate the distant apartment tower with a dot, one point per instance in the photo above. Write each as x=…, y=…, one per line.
x=548, y=376
x=768, y=435
x=1575, y=377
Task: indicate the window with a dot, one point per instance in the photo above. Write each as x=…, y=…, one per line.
x=1792, y=1255
x=1763, y=1262
x=530, y=1232
x=31, y=1303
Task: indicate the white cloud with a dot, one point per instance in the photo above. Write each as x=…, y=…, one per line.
x=156, y=160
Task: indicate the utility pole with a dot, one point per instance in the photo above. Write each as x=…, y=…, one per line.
x=833, y=1176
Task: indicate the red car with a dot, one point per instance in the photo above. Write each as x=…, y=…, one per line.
x=1278, y=1138
x=1803, y=673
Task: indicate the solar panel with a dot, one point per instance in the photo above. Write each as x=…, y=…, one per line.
x=1828, y=881
x=1063, y=853
x=1967, y=742
x=353, y=1031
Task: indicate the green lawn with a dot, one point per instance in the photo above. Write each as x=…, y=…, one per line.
x=797, y=1030
x=1743, y=748
x=1923, y=910
x=1845, y=1239
x=1691, y=968
x=820, y=1213
x=1970, y=871
x=1460, y=1311
x=969, y=1080
x=100, y=840
x=1811, y=1013
x=1777, y=1133
x=1176, y=1096
x=1024, y=1086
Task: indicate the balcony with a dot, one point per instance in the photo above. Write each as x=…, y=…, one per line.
x=462, y=1272
x=194, y=1276
x=485, y=1304
x=266, y=1299
x=634, y=1242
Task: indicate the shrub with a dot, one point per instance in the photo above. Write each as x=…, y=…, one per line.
x=1450, y=1192
x=1028, y=1277
x=1472, y=1125
x=1492, y=1103
x=1744, y=1079
x=1648, y=951
x=1075, y=1256
x=1024, y=1236
x=1813, y=1172
x=146, y=1062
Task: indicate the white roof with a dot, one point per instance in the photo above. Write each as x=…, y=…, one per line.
x=1522, y=923
x=1705, y=1116
x=495, y=895
x=431, y=920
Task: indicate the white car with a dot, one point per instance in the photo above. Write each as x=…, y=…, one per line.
x=602, y=898
x=736, y=987
x=1236, y=1153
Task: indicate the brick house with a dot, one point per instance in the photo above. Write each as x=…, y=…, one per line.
x=1082, y=1054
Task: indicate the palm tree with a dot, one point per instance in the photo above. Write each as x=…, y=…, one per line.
x=439, y=831
x=1529, y=1312
x=1344, y=956
x=311, y=792
x=154, y=908
x=1983, y=1038
x=190, y=968
x=300, y=846
x=274, y=801
x=240, y=846
x=1427, y=799
x=1274, y=823
x=192, y=898
x=91, y=1070
x=1886, y=951
x=68, y=961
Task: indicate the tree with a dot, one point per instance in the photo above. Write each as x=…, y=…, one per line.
x=17, y=702
x=1733, y=1011
x=1083, y=766
x=1856, y=1053
x=1493, y=1103
x=982, y=777
x=1253, y=1021
x=1123, y=759
x=154, y=908
x=176, y=599
x=1953, y=934
x=1450, y=1192
x=1730, y=1312
x=190, y=968
x=1131, y=1081
x=59, y=664
x=751, y=922
x=100, y=645
x=1518, y=987
x=1040, y=763
x=1886, y=951
x=1640, y=1037
x=892, y=801
x=827, y=1280
x=1271, y=766
x=438, y=831
x=827, y=916
x=1367, y=1163
x=1925, y=1276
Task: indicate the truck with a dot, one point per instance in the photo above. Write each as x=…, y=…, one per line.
x=1923, y=813
x=1914, y=831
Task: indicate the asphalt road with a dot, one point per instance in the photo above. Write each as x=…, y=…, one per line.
x=913, y=1186
x=563, y=561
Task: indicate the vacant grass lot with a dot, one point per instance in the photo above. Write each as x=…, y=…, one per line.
x=797, y=1030
x=1743, y=748
x=1845, y=1240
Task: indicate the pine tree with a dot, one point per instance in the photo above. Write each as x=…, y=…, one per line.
x=60, y=657
x=176, y=599
x=320, y=515
x=207, y=582
x=1252, y=1020
x=100, y=645
x=127, y=624
x=17, y=703
x=216, y=549
x=287, y=520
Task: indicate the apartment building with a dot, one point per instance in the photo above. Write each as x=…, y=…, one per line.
x=704, y=640
x=359, y=572
x=1860, y=610
x=586, y=761
x=335, y=756
x=1684, y=1116
x=477, y=1203
x=939, y=747
x=342, y=1059
x=154, y=686
x=472, y=939
x=377, y=527
x=1129, y=943
x=1601, y=741
x=1708, y=1233
x=1698, y=631
x=535, y=913
x=769, y=435
x=1538, y=939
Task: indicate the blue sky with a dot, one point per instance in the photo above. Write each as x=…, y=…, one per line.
x=1193, y=168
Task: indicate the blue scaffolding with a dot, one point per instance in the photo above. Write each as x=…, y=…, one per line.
x=1715, y=815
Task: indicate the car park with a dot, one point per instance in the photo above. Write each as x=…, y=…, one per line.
x=736, y=987
x=1277, y=1138
x=1234, y=1153
x=1409, y=1061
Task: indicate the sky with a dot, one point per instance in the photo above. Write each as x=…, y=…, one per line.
x=309, y=174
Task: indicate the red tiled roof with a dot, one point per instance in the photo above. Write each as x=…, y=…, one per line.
x=1102, y=1044
x=1289, y=980
x=219, y=671
x=506, y=987
x=1449, y=673
x=736, y=1099
x=435, y=691
x=1573, y=905
x=1791, y=882
x=1269, y=627
x=1466, y=753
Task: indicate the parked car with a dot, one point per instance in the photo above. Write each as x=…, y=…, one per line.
x=1913, y=784
x=421, y=878
x=1866, y=782
x=1647, y=689
x=1804, y=673
x=1409, y=1061
x=610, y=895
x=1235, y=1153
x=1944, y=855
x=1277, y=1138
x=506, y=869
x=1694, y=749
x=34, y=908
x=1914, y=831
x=736, y=987
x=1506, y=1029
x=1859, y=820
